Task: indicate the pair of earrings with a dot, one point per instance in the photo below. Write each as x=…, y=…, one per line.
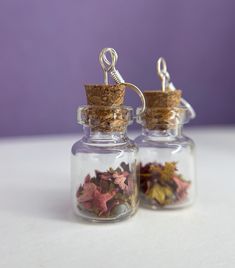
x=110, y=172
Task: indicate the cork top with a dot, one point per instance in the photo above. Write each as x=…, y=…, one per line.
x=105, y=111
x=105, y=95
x=162, y=109
x=162, y=99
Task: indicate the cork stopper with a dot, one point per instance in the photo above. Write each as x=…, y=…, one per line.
x=162, y=99
x=105, y=111
x=105, y=95
x=162, y=108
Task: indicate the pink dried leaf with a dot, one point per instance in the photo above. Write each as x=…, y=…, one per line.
x=88, y=192
x=100, y=201
x=182, y=187
x=87, y=205
x=125, y=173
x=120, y=180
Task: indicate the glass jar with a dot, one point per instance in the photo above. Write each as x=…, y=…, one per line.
x=103, y=168
x=166, y=161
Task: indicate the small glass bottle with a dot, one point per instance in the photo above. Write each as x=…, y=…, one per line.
x=104, y=181
x=166, y=156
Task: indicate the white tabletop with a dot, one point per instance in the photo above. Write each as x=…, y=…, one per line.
x=38, y=229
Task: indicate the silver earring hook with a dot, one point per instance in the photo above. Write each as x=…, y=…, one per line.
x=163, y=73
x=110, y=67
x=104, y=66
x=166, y=84
x=113, y=55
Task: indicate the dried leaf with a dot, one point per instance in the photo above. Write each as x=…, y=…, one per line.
x=100, y=201
x=182, y=187
x=88, y=192
x=162, y=182
x=120, y=179
x=101, y=193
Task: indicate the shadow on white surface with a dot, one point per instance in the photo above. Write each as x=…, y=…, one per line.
x=44, y=204
x=48, y=204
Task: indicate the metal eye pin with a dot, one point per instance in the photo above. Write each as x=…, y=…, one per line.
x=162, y=72
x=110, y=68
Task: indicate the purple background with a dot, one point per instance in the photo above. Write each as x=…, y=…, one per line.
x=49, y=49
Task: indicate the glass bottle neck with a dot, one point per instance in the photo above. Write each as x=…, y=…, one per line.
x=98, y=137
x=169, y=133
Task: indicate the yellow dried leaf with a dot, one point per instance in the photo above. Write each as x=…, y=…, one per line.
x=162, y=194
x=157, y=192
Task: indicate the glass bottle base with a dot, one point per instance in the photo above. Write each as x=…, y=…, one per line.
x=99, y=219
x=153, y=205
